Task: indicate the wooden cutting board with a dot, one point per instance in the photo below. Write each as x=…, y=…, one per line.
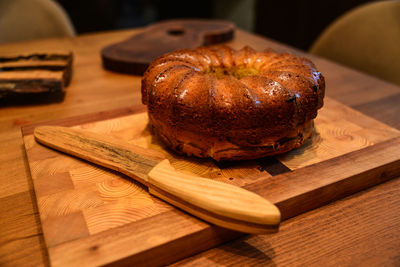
x=93, y=216
x=133, y=56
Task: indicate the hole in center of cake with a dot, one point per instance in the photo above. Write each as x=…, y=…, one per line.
x=238, y=72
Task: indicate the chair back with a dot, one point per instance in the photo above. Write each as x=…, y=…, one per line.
x=366, y=38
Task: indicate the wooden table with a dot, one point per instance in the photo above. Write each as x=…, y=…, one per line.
x=362, y=229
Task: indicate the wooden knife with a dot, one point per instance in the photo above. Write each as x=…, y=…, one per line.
x=216, y=202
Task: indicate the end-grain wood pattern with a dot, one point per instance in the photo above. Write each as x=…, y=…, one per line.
x=116, y=221
x=216, y=202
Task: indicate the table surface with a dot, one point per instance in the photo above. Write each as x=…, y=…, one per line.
x=362, y=229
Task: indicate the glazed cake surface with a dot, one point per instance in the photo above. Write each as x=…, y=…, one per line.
x=232, y=104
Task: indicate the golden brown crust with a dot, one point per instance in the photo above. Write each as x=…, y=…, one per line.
x=199, y=145
x=226, y=104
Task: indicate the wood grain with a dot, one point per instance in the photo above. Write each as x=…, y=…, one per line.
x=25, y=75
x=359, y=230
x=371, y=243
x=134, y=55
x=223, y=204
x=326, y=172
x=133, y=161
x=218, y=203
x=337, y=177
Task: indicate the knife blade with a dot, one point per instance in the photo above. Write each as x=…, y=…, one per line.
x=216, y=202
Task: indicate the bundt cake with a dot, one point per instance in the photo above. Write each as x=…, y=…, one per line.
x=230, y=105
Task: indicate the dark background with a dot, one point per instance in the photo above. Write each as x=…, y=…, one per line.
x=296, y=22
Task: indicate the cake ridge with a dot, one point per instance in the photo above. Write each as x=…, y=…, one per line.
x=232, y=100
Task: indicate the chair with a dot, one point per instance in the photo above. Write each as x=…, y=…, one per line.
x=366, y=38
x=22, y=20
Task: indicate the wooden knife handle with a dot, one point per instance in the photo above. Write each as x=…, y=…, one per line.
x=223, y=204
x=220, y=203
